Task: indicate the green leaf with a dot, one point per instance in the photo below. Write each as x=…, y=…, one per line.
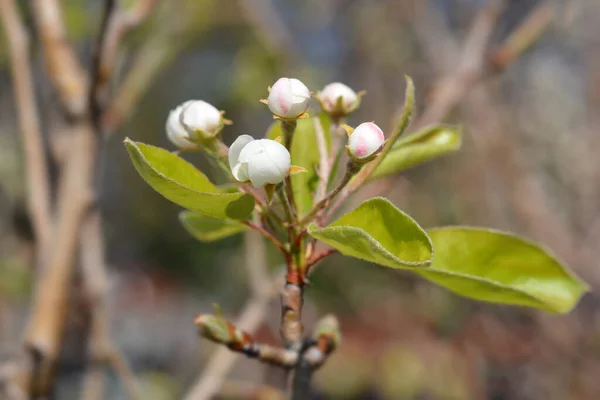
x=207, y=229
x=305, y=153
x=502, y=268
x=378, y=232
x=419, y=147
x=178, y=181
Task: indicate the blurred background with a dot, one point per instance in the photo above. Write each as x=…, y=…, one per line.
x=529, y=164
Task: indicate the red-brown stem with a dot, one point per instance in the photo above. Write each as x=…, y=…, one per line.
x=318, y=257
x=269, y=236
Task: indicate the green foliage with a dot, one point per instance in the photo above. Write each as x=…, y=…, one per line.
x=207, y=229
x=378, y=232
x=419, y=147
x=180, y=182
x=500, y=267
x=305, y=153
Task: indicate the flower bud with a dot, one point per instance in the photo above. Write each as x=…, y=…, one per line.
x=288, y=98
x=200, y=117
x=338, y=99
x=214, y=328
x=259, y=161
x=365, y=141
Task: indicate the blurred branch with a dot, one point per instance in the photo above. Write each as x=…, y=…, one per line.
x=242, y=390
x=29, y=121
x=476, y=59
x=115, y=25
x=61, y=61
x=530, y=30
x=453, y=87
x=102, y=350
x=157, y=53
x=44, y=332
x=269, y=25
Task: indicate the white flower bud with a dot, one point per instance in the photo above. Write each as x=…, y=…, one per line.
x=175, y=131
x=366, y=140
x=259, y=161
x=199, y=116
x=288, y=98
x=337, y=98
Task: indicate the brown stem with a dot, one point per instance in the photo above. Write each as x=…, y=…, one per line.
x=292, y=300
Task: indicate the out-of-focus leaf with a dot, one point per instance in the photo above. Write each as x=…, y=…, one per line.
x=207, y=229
x=378, y=232
x=178, y=181
x=305, y=153
x=500, y=267
x=418, y=148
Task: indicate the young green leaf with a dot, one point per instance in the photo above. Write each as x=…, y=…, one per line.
x=378, y=232
x=207, y=229
x=305, y=153
x=180, y=182
x=500, y=267
x=419, y=147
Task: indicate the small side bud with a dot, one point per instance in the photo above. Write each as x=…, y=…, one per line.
x=338, y=100
x=288, y=98
x=215, y=328
x=365, y=142
x=328, y=327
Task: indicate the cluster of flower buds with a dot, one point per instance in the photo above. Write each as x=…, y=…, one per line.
x=264, y=161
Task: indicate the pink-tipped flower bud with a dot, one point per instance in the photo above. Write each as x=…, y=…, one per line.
x=289, y=98
x=259, y=161
x=338, y=99
x=366, y=140
x=200, y=118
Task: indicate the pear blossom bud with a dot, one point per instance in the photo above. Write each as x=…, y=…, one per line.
x=259, y=161
x=199, y=116
x=337, y=98
x=365, y=141
x=288, y=98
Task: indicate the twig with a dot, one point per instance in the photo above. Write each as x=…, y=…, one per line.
x=115, y=25
x=99, y=70
x=219, y=330
x=223, y=359
x=526, y=34
x=61, y=61
x=35, y=157
x=263, y=289
x=453, y=87
x=267, y=235
x=318, y=257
